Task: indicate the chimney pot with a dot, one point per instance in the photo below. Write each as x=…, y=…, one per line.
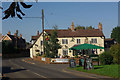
x=100, y=26
x=38, y=33
x=20, y=35
x=15, y=34
x=72, y=26
x=9, y=32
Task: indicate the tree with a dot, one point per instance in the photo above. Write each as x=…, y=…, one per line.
x=47, y=48
x=52, y=45
x=7, y=47
x=106, y=58
x=79, y=27
x=83, y=27
x=90, y=27
x=116, y=34
x=115, y=52
x=14, y=9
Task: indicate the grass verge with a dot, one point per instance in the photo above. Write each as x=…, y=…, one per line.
x=105, y=70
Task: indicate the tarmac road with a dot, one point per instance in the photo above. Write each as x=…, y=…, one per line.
x=21, y=69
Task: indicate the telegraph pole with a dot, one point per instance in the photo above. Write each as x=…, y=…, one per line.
x=43, y=30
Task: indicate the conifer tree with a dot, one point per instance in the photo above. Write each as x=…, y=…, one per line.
x=52, y=45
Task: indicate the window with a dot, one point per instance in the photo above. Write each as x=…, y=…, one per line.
x=65, y=52
x=64, y=41
x=41, y=43
x=78, y=41
x=93, y=40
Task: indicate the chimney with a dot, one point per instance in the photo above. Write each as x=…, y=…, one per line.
x=37, y=33
x=20, y=35
x=8, y=32
x=100, y=26
x=15, y=34
x=72, y=26
x=0, y=35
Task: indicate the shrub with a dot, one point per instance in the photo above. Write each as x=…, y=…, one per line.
x=106, y=58
x=115, y=52
x=44, y=55
x=38, y=54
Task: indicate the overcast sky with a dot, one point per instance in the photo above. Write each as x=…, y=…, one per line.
x=62, y=14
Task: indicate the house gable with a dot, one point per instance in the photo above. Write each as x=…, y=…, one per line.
x=6, y=37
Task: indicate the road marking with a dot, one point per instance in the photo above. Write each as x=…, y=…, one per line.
x=28, y=70
x=37, y=74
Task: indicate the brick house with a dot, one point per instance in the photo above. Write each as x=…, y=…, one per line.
x=16, y=40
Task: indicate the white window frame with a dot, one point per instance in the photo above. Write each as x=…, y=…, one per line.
x=94, y=40
x=66, y=52
x=64, y=41
x=78, y=41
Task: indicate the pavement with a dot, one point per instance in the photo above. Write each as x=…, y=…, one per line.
x=22, y=68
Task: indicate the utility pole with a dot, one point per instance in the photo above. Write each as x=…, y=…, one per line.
x=43, y=30
x=16, y=38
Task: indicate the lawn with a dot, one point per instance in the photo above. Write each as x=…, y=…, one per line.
x=106, y=70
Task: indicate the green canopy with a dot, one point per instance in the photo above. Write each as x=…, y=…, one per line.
x=85, y=46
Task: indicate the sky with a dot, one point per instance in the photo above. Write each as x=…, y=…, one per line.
x=62, y=14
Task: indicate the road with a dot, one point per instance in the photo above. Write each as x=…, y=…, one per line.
x=19, y=68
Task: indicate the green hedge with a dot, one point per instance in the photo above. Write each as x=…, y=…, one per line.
x=106, y=58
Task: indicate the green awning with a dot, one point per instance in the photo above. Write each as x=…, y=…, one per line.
x=85, y=46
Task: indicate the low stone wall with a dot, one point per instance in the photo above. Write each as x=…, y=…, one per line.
x=51, y=60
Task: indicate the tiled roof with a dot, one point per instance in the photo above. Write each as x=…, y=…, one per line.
x=34, y=37
x=109, y=39
x=14, y=38
x=78, y=33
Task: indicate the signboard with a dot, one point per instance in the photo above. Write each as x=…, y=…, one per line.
x=57, y=60
x=89, y=64
x=43, y=59
x=72, y=63
x=94, y=57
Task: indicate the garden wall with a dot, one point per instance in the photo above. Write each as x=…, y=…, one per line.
x=54, y=60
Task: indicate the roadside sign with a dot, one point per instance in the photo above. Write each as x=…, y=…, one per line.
x=95, y=58
x=58, y=60
x=72, y=63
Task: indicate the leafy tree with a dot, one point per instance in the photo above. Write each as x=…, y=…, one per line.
x=79, y=27
x=7, y=47
x=83, y=27
x=14, y=9
x=47, y=48
x=52, y=45
x=90, y=27
x=116, y=34
x=115, y=52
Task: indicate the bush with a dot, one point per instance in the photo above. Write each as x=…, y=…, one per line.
x=115, y=52
x=38, y=54
x=106, y=58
